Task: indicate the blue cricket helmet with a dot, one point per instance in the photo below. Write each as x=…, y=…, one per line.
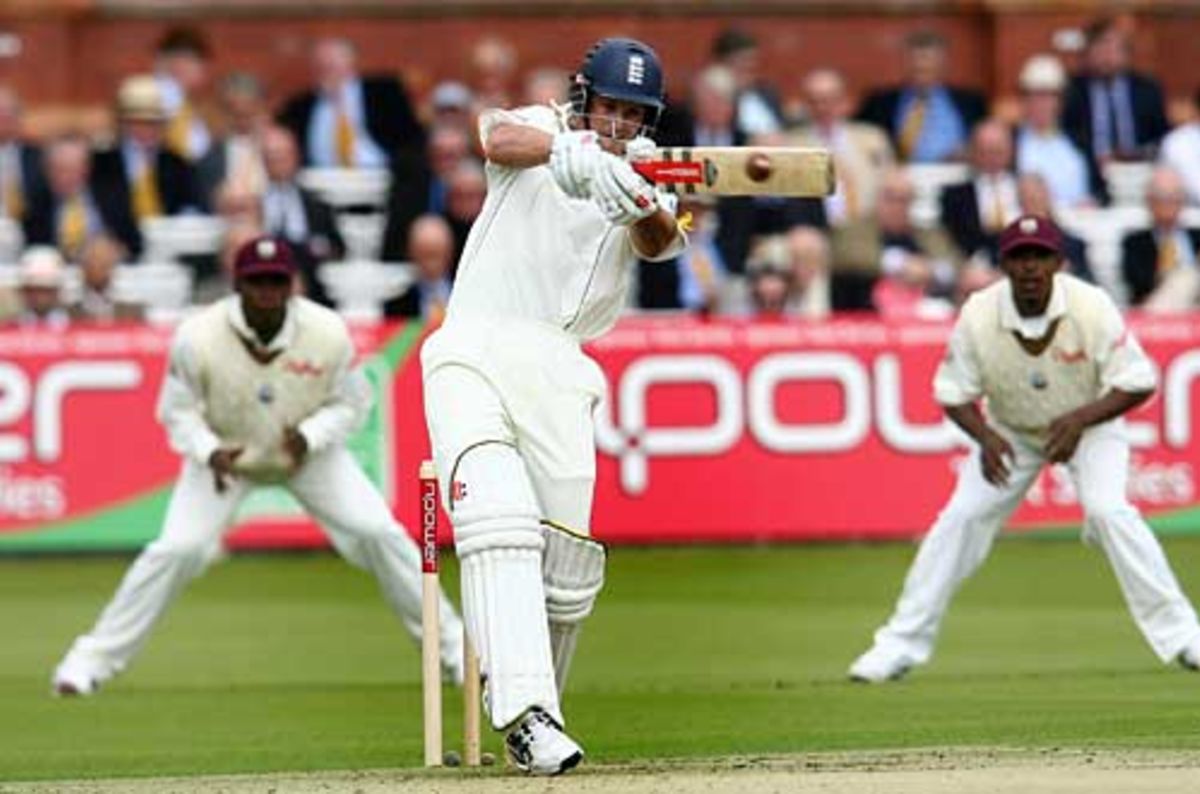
x=624, y=69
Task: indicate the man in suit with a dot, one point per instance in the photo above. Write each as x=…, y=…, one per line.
x=139, y=171
x=1043, y=148
x=861, y=151
x=420, y=184
x=1152, y=259
x=295, y=214
x=96, y=303
x=1112, y=111
x=235, y=158
x=887, y=249
x=348, y=120
x=70, y=212
x=181, y=66
x=466, y=188
x=975, y=211
x=928, y=121
x=431, y=251
x=759, y=111
x=21, y=178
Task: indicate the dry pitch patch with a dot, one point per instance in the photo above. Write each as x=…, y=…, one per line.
x=929, y=771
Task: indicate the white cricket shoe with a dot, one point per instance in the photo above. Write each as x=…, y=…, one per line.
x=538, y=745
x=1189, y=657
x=75, y=677
x=879, y=665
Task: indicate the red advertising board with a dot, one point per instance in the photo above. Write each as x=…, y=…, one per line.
x=712, y=431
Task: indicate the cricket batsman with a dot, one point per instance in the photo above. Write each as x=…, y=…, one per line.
x=509, y=393
x=1058, y=369
x=261, y=388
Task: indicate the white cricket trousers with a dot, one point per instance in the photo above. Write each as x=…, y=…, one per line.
x=962, y=536
x=332, y=488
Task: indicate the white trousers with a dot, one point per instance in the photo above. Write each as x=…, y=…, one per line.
x=962, y=536
x=332, y=488
x=509, y=408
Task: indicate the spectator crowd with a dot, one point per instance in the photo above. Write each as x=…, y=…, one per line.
x=355, y=171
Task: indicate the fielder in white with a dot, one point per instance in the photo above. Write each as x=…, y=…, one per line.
x=509, y=393
x=1058, y=369
x=261, y=387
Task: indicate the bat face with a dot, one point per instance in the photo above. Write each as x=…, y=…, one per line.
x=742, y=171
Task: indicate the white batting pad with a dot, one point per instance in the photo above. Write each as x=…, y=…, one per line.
x=500, y=545
x=573, y=572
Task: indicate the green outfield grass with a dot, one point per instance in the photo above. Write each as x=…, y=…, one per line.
x=293, y=663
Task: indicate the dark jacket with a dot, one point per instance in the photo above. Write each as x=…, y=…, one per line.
x=960, y=217
x=1139, y=261
x=1145, y=97
x=323, y=243
x=390, y=119
x=408, y=199
x=41, y=215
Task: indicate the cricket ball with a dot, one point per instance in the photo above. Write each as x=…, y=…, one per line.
x=758, y=167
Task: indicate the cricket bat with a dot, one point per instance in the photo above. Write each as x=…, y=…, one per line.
x=742, y=170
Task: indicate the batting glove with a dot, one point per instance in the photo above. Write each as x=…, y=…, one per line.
x=640, y=149
x=574, y=157
x=622, y=194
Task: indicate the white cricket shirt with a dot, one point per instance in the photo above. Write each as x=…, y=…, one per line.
x=536, y=254
x=216, y=394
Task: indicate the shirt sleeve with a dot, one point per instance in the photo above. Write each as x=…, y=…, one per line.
x=958, y=380
x=1122, y=362
x=541, y=117
x=344, y=411
x=180, y=406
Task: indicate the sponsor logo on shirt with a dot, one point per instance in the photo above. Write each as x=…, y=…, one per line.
x=1071, y=357
x=303, y=368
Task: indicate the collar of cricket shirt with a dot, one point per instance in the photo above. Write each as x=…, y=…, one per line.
x=1033, y=327
x=282, y=340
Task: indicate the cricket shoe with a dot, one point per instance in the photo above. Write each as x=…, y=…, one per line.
x=537, y=745
x=1189, y=657
x=879, y=665
x=74, y=677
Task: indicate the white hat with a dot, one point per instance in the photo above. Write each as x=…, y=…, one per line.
x=1043, y=73
x=140, y=99
x=41, y=266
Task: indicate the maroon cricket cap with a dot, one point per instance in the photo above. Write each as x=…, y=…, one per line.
x=264, y=255
x=1033, y=231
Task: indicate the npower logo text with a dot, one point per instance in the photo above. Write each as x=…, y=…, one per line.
x=872, y=399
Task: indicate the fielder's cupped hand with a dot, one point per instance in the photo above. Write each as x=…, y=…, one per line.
x=622, y=194
x=1062, y=437
x=995, y=454
x=221, y=462
x=574, y=158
